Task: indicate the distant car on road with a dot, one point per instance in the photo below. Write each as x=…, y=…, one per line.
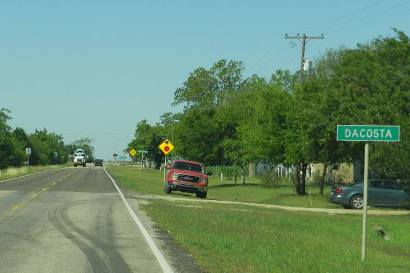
x=187, y=176
x=381, y=193
x=98, y=162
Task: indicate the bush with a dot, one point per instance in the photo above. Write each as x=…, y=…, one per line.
x=270, y=179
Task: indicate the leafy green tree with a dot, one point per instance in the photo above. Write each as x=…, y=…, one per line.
x=6, y=145
x=21, y=142
x=263, y=131
x=198, y=137
x=201, y=135
x=148, y=137
x=47, y=148
x=370, y=85
x=208, y=88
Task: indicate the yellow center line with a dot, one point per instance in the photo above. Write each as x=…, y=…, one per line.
x=16, y=206
x=36, y=194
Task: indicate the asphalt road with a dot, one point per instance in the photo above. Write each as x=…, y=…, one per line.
x=69, y=220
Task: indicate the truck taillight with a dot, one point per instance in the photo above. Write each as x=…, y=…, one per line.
x=338, y=190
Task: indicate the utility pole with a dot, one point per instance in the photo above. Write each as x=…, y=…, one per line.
x=301, y=168
x=304, y=40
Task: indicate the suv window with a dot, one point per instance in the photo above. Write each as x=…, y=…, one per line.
x=188, y=166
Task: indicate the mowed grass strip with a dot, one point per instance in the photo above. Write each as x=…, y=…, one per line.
x=227, y=238
x=14, y=172
x=148, y=181
x=151, y=182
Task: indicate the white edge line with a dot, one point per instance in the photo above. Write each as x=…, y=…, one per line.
x=166, y=268
x=27, y=175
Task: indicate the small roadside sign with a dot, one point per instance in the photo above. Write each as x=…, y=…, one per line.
x=28, y=151
x=142, y=151
x=133, y=152
x=367, y=133
x=385, y=133
x=166, y=146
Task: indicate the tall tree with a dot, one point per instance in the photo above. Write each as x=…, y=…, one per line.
x=21, y=142
x=6, y=144
x=47, y=148
x=201, y=94
x=148, y=137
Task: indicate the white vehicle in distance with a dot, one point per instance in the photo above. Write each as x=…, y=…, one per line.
x=79, y=158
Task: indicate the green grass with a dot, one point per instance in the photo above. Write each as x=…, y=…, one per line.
x=236, y=238
x=13, y=172
x=151, y=182
x=227, y=238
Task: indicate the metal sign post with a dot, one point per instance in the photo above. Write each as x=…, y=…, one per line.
x=165, y=169
x=365, y=196
x=28, y=153
x=142, y=163
x=367, y=133
x=166, y=147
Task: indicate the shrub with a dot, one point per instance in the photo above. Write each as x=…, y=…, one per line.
x=271, y=179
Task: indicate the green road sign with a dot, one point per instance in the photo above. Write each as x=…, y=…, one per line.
x=386, y=133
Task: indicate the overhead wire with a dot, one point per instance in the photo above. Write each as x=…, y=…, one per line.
x=364, y=17
x=341, y=22
x=265, y=54
x=323, y=24
x=372, y=20
x=268, y=60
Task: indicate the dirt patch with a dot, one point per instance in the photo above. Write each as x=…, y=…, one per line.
x=181, y=260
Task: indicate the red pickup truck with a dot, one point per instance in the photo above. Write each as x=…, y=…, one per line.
x=187, y=176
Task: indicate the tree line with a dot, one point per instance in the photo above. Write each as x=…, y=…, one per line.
x=47, y=148
x=228, y=119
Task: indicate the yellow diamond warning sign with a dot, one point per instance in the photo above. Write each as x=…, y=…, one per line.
x=166, y=146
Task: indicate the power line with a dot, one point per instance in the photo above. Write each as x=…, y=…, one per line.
x=371, y=20
x=364, y=17
x=322, y=25
x=264, y=55
x=267, y=60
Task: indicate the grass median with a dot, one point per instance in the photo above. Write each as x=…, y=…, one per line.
x=14, y=172
x=227, y=238
x=150, y=181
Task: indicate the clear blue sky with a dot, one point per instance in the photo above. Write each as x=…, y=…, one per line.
x=96, y=68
